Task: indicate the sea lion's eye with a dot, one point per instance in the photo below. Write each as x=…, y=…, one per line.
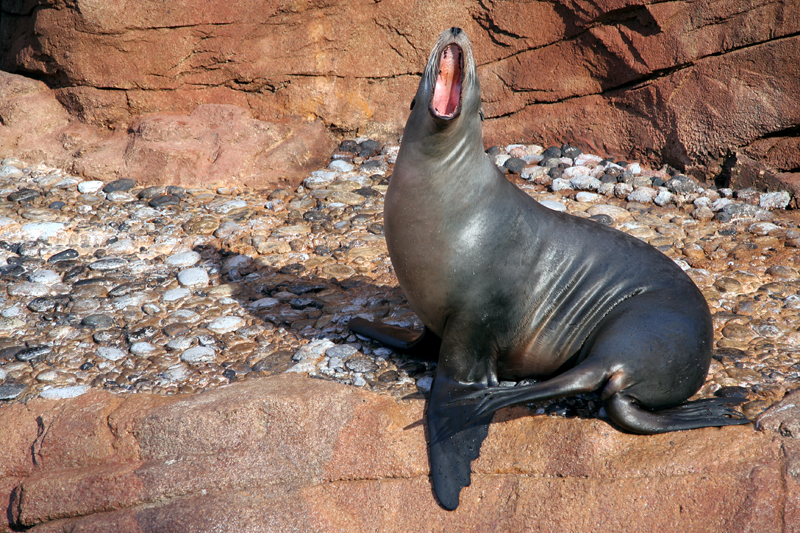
x=480, y=111
x=414, y=101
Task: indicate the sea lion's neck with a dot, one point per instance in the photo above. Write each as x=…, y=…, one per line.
x=442, y=160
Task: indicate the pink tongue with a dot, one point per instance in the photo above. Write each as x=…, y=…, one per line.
x=447, y=92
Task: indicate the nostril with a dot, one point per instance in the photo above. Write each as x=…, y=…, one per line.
x=455, y=31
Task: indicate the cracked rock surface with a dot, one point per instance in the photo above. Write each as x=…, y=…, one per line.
x=691, y=84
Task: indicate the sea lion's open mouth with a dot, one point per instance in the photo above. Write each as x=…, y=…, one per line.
x=446, y=101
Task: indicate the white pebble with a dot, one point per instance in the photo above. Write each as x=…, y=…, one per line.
x=359, y=381
x=62, y=393
x=341, y=166
x=176, y=372
x=183, y=259
x=225, y=324
x=774, y=200
x=634, y=168
x=583, y=182
x=193, y=277
x=720, y=204
x=37, y=230
x=143, y=348
x=643, y=194
x=110, y=353
x=230, y=206
x=500, y=159
x=199, y=354
x=236, y=262
x=663, y=197
x=424, y=383
x=27, y=288
x=48, y=277
x=173, y=295
x=319, y=179
x=560, y=184
x=573, y=172
x=552, y=204
x=588, y=197
x=588, y=160
x=763, y=228
x=89, y=187
x=13, y=311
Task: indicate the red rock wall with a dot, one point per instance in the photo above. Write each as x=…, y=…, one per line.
x=289, y=453
x=687, y=82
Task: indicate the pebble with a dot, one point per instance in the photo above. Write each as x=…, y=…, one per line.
x=198, y=355
x=226, y=324
x=110, y=353
x=183, y=259
x=98, y=282
x=89, y=187
x=193, y=277
x=62, y=393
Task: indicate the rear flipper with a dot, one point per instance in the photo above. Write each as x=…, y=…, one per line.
x=452, y=445
x=711, y=412
x=423, y=344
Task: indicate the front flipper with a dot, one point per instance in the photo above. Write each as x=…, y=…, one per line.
x=424, y=344
x=453, y=444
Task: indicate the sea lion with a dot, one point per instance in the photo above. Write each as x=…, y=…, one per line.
x=508, y=289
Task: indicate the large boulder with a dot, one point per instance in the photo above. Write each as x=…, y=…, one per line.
x=688, y=83
x=289, y=453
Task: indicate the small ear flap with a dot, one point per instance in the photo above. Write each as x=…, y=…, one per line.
x=481, y=113
x=414, y=101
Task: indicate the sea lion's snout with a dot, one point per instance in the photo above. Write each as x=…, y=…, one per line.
x=446, y=100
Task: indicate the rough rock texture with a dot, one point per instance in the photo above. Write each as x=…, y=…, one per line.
x=687, y=82
x=214, y=144
x=289, y=453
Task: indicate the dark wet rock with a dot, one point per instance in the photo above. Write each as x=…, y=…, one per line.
x=9, y=391
x=278, y=361
x=602, y=219
x=292, y=268
x=149, y=193
x=550, y=162
x=389, y=376
x=368, y=148
x=119, y=185
x=57, y=205
x=732, y=392
x=302, y=287
x=570, y=151
x=42, y=304
x=176, y=190
x=553, y=151
x=164, y=200
x=12, y=271
x=23, y=195
x=493, y=151
x=98, y=321
x=126, y=288
x=561, y=408
x=67, y=254
x=515, y=165
x=10, y=353
x=361, y=364
x=33, y=353
x=142, y=334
